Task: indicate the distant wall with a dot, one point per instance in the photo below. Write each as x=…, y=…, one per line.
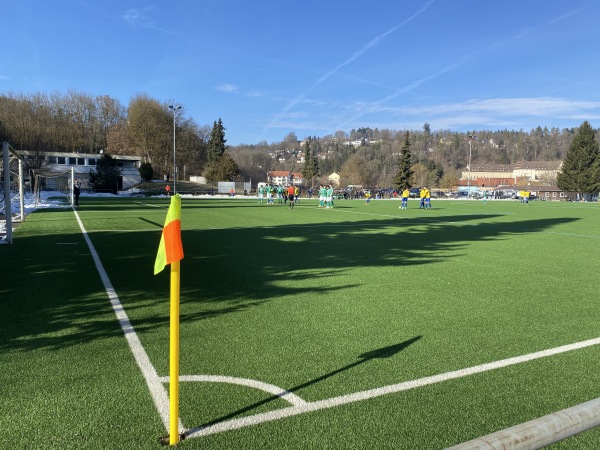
x=201, y=180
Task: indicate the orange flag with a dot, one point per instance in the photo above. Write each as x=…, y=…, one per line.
x=170, y=248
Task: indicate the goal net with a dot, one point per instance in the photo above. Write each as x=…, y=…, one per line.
x=53, y=185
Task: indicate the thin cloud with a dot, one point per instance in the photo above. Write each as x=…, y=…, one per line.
x=509, y=107
x=254, y=93
x=379, y=104
x=227, y=88
x=139, y=17
x=142, y=18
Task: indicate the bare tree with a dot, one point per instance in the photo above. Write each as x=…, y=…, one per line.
x=150, y=131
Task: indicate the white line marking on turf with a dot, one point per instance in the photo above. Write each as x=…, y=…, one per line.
x=150, y=205
x=157, y=390
x=378, y=392
x=266, y=387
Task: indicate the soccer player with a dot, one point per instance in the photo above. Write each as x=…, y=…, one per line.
x=368, y=196
x=328, y=196
x=280, y=194
x=269, y=194
x=405, y=195
x=321, y=196
x=291, y=194
x=261, y=193
x=427, y=198
x=422, y=194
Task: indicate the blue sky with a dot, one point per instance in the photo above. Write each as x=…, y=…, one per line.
x=271, y=67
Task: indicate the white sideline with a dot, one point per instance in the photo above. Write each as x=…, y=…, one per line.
x=157, y=390
x=378, y=392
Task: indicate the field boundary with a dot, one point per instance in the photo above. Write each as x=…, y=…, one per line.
x=299, y=406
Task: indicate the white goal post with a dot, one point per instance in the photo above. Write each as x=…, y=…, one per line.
x=9, y=155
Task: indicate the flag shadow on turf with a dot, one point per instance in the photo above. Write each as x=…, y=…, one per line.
x=380, y=353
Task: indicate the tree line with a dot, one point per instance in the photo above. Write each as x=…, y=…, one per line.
x=436, y=158
x=79, y=122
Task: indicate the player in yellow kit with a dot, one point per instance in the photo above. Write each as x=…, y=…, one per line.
x=405, y=195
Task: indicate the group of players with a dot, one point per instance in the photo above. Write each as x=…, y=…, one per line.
x=424, y=196
x=290, y=195
x=286, y=195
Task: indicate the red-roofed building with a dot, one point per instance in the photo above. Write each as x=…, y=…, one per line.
x=285, y=178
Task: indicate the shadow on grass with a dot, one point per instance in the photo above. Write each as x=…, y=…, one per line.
x=380, y=353
x=52, y=296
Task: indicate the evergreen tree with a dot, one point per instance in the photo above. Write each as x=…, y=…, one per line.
x=581, y=167
x=215, y=150
x=311, y=164
x=216, y=143
x=402, y=178
x=229, y=169
x=146, y=171
x=106, y=176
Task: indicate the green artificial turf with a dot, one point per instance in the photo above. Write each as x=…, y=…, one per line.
x=322, y=303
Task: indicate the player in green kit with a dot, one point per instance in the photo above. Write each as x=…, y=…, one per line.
x=261, y=193
x=321, y=196
x=329, y=196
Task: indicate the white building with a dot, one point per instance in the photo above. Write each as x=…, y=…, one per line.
x=84, y=163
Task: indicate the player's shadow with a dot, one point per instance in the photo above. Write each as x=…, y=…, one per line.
x=380, y=353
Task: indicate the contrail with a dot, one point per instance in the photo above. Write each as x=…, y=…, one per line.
x=352, y=58
x=463, y=60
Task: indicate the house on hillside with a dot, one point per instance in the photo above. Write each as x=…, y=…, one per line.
x=334, y=179
x=284, y=178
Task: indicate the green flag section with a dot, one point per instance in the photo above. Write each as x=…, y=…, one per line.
x=170, y=248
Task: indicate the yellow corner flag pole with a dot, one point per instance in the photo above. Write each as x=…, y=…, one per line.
x=170, y=251
x=174, y=356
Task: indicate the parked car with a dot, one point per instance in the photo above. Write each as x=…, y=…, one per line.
x=414, y=192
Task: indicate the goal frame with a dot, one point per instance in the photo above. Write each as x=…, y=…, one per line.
x=7, y=151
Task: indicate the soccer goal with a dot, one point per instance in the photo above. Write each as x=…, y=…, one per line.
x=47, y=184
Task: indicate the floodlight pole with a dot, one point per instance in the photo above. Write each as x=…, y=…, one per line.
x=471, y=137
x=175, y=109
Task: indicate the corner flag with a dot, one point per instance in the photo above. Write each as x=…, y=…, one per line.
x=170, y=251
x=170, y=248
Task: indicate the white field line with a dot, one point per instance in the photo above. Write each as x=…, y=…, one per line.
x=152, y=205
x=157, y=390
x=378, y=392
x=266, y=387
